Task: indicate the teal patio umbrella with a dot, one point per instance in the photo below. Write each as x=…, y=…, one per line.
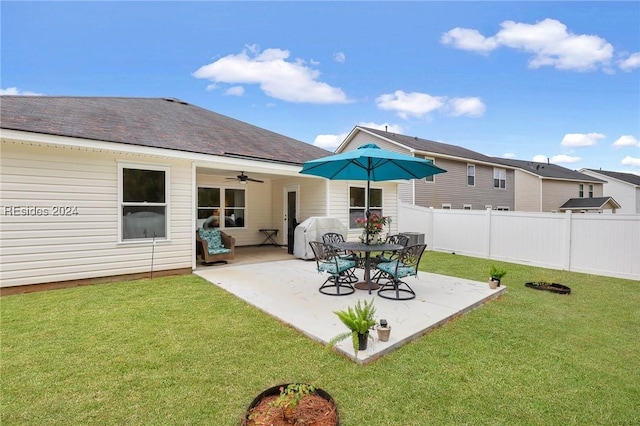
x=371, y=163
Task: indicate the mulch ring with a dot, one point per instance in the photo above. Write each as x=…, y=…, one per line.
x=552, y=287
x=313, y=410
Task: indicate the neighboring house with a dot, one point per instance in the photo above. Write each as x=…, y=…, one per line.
x=591, y=205
x=96, y=187
x=544, y=187
x=624, y=187
x=473, y=181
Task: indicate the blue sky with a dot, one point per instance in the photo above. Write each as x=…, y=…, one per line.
x=525, y=80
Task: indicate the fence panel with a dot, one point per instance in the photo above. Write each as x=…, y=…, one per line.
x=602, y=244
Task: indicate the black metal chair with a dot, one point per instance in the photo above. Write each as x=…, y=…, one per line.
x=334, y=237
x=405, y=265
x=389, y=256
x=338, y=282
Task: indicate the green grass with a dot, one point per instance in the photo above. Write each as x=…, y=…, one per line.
x=178, y=350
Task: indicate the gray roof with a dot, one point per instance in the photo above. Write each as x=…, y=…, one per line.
x=625, y=177
x=152, y=122
x=434, y=147
x=588, y=203
x=546, y=170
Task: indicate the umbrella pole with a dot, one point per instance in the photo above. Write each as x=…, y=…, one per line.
x=367, y=211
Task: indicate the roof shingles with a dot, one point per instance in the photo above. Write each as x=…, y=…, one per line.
x=151, y=122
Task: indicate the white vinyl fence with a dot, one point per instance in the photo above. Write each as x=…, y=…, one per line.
x=600, y=244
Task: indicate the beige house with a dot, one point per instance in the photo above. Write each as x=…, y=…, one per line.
x=624, y=187
x=473, y=181
x=544, y=187
x=96, y=188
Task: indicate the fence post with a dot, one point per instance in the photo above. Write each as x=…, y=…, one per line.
x=566, y=264
x=487, y=235
x=430, y=234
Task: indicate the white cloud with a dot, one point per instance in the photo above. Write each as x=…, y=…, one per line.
x=340, y=57
x=626, y=140
x=581, y=139
x=410, y=104
x=468, y=39
x=631, y=161
x=235, y=91
x=548, y=40
x=329, y=142
x=421, y=104
x=473, y=107
x=557, y=159
x=511, y=155
x=291, y=81
x=630, y=63
x=17, y=92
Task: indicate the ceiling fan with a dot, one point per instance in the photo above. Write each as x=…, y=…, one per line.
x=242, y=178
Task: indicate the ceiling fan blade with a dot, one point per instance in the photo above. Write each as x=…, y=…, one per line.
x=255, y=180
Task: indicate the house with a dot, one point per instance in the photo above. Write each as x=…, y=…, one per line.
x=97, y=188
x=545, y=187
x=473, y=181
x=590, y=205
x=624, y=187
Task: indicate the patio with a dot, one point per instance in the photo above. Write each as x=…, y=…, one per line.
x=286, y=288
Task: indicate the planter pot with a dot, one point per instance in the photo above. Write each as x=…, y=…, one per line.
x=383, y=333
x=494, y=283
x=362, y=341
x=319, y=404
x=552, y=287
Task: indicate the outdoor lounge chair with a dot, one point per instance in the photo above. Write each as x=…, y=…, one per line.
x=338, y=282
x=405, y=265
x=216, y=246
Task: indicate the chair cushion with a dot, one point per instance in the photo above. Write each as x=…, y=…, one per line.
x=390, y=268
x=213, y=239
x=330, y=267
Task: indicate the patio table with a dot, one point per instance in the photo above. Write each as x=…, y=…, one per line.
x=366, y=249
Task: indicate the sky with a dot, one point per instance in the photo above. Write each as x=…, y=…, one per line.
x=544, y=81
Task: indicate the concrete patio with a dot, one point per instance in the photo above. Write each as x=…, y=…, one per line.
x=286, y=288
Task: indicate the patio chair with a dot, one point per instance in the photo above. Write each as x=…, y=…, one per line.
x=388, y=256
x=334, y=237
x=405, y=265
x=216, y=246
x=338, y=282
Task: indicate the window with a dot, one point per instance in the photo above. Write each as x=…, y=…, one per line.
x=590, y=191
x=471, y=175
x=466, y=207
x=502, y=208
x=144, y=195
x=210, y=202
x=431, y=160
x=499, y=178
x=581, y=191
x=358, y=203
x=488, y=206
x=446, y=207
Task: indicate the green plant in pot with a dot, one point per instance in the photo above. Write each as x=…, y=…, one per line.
x=495, y=276
x=359, y=320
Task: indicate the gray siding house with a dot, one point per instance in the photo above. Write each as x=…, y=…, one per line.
x=544, y=187
x=473, y=181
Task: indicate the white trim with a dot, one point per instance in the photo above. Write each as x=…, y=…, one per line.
x=474, y=175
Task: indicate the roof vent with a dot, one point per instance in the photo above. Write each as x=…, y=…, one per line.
x=176, y=100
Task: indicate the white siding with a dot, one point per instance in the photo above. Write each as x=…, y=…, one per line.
x=626, y=194
x=43, y=249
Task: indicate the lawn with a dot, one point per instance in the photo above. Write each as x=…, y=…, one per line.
x=178, y=350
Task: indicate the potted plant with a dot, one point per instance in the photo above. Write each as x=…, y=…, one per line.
x=359, y=320
x=384, y=330
x=495, y=275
